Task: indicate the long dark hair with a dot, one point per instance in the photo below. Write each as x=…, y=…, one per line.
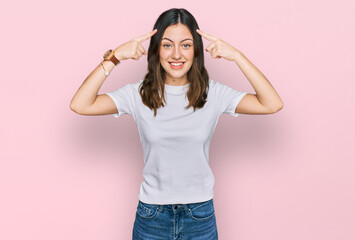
x=153, y=85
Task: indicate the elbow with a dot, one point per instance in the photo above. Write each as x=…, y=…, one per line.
x=277, y=108
x=274, y=108
x=74, y=109
x=71, y=106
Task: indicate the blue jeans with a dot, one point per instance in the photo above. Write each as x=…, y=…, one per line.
x=192, y=221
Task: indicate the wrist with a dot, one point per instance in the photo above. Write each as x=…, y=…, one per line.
x=116, y=55
x=107, y=67
x=237, y=56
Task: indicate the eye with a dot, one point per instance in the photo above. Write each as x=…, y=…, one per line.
x=187, y=44
x=166, y=45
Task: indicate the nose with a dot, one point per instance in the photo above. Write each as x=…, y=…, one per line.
x=176, y=53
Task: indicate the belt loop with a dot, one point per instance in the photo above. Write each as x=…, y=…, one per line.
x=160, y=208
x=186, y=208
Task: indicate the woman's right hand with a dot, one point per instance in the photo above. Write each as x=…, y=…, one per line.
x=133, y=48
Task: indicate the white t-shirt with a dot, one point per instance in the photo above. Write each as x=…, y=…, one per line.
x=176, y=142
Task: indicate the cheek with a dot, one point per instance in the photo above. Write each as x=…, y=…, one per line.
x=190, y=55
x=163, y=54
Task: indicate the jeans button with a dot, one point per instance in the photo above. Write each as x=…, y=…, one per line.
x=175, y=207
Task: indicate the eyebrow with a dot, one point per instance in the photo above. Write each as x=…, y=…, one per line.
x=181, y=40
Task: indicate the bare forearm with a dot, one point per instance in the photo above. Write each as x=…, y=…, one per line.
x=265, y=92
x=87, y=92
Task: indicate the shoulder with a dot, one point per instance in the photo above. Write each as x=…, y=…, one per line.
x=133, y=87
x=219, y=88
x=136, y=84
x=214, y=87
x=212, y=83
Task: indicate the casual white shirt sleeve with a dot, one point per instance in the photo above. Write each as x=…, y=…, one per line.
x=228, y=98
x=124, y=100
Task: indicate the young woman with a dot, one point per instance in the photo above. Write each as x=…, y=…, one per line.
x=176, y=107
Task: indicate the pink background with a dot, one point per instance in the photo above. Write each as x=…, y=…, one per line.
x=285, y=176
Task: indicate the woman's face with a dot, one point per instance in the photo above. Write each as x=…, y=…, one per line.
x=176, y=46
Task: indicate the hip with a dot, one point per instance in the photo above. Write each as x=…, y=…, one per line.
x=175, y=221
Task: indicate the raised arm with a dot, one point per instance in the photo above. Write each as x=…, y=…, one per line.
x=86, y=101
x=266, y=100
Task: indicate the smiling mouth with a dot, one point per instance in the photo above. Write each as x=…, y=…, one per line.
x=176, y=63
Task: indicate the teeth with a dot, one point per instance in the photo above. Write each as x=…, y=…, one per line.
x=176, y=64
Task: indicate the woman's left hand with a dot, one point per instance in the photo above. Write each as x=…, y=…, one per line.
x=219, y=48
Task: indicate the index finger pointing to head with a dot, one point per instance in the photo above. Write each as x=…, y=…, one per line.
x=146, y=36
x=207, y=36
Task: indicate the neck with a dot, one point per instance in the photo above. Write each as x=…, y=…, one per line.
x=176, y=82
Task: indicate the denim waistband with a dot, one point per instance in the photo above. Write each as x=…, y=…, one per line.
x=176, y=207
